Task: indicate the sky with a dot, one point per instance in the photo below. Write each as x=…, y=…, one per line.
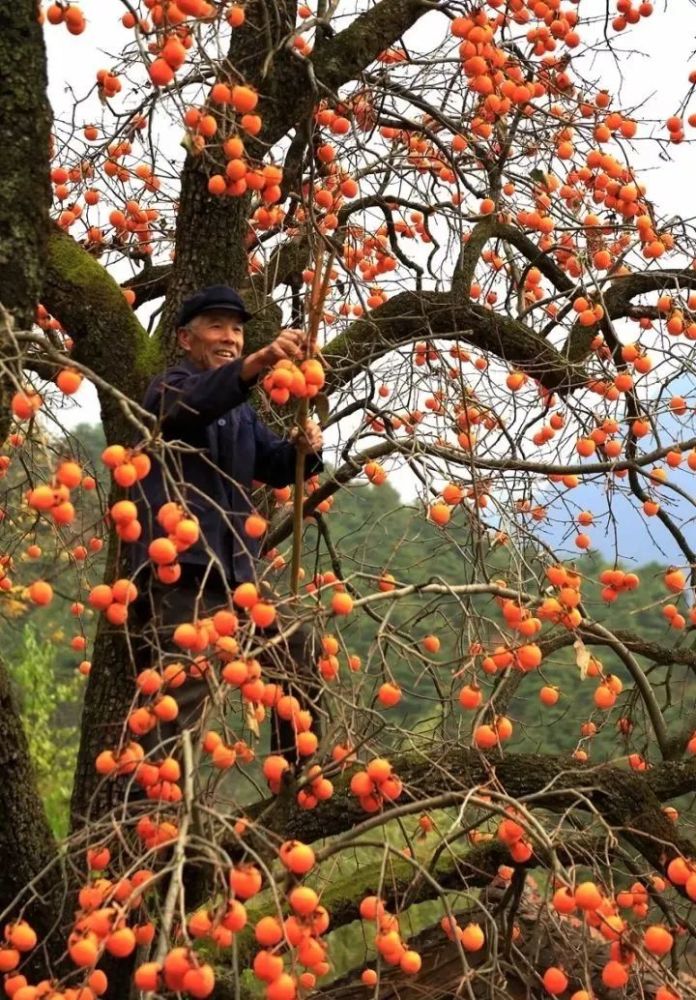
x=655, y=59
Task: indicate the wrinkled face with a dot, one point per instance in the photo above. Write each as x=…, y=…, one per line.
x=213, y=338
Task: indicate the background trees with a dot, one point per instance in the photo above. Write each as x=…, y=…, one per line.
x=506, y=331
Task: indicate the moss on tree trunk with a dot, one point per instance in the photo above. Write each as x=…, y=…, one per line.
x=108, y=336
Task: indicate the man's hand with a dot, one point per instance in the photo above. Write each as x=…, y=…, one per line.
x=288, y=344
x=310, y=440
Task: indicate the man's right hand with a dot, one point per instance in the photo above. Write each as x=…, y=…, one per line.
x=288, y=344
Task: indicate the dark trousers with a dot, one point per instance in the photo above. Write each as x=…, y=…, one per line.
x=153, y=619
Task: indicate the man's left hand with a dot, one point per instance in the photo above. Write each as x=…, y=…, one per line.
x=309, y=440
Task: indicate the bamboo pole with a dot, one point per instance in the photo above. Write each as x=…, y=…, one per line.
x=317, y=297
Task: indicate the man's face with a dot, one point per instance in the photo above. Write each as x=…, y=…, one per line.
x=213, y=338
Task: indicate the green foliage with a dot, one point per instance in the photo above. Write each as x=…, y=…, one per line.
x=48, y=708
x=375, y=532
x=70, y=579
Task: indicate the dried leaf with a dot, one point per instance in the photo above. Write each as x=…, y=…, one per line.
x=251, y=721
x=582, y=657
x=321, y=407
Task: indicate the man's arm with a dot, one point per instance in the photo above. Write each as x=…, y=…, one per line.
x=183, y=399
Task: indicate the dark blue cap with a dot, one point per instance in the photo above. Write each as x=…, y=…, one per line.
x=212, y=297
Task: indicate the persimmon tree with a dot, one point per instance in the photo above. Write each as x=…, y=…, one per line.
x=452, y=201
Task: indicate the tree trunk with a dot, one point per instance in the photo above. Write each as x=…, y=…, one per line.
x=25, y=192
x=27, y=846
x=107, y=698
x=26, y=842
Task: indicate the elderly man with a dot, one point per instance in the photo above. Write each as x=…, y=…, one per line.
x=217, y=447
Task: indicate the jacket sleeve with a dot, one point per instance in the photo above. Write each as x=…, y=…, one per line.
x=183, y=399
x=275, y=458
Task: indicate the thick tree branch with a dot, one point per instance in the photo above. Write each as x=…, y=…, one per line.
x=151, y=283
x=673, y=778
x=626, y=287
x=25, y=190
x=285, y=261
x=654, y=651
x=409, y=316
x=345, y=56
x=628, y=802
x=540, y=939
x=618, y=298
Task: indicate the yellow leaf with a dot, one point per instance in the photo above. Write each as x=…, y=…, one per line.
x=250, y=720
x=582, y=657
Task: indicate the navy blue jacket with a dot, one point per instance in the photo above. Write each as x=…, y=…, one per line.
x=225, y=447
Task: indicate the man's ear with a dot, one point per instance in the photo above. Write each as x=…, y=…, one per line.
x=184, y=336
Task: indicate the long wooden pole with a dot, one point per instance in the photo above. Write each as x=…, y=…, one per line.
x=317, y=297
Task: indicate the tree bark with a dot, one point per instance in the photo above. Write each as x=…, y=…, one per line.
x=25, y=191
x=27, y=847
x=109, y=693
x=410, y=316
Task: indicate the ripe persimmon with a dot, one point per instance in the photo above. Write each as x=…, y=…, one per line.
x=146, y=976
x=614, y=975
x=161, y=73
x=588, y=896
x=262, y=614
x=68, y=381
x=439, y=513
x=303, y=900
x=485, y=737
x=245, y=881
x=658, y=940
x=472, y=937
x=268, y=932
x=243, y=98
x=255, y=526
x=297, y=857
x=341, y=603
x=41, y=592
x=555, y=980
x=162, y=551
x=549, y=695
x=245, y=596
x=389, y=694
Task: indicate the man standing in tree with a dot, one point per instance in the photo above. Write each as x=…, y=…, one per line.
x=216, y=448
